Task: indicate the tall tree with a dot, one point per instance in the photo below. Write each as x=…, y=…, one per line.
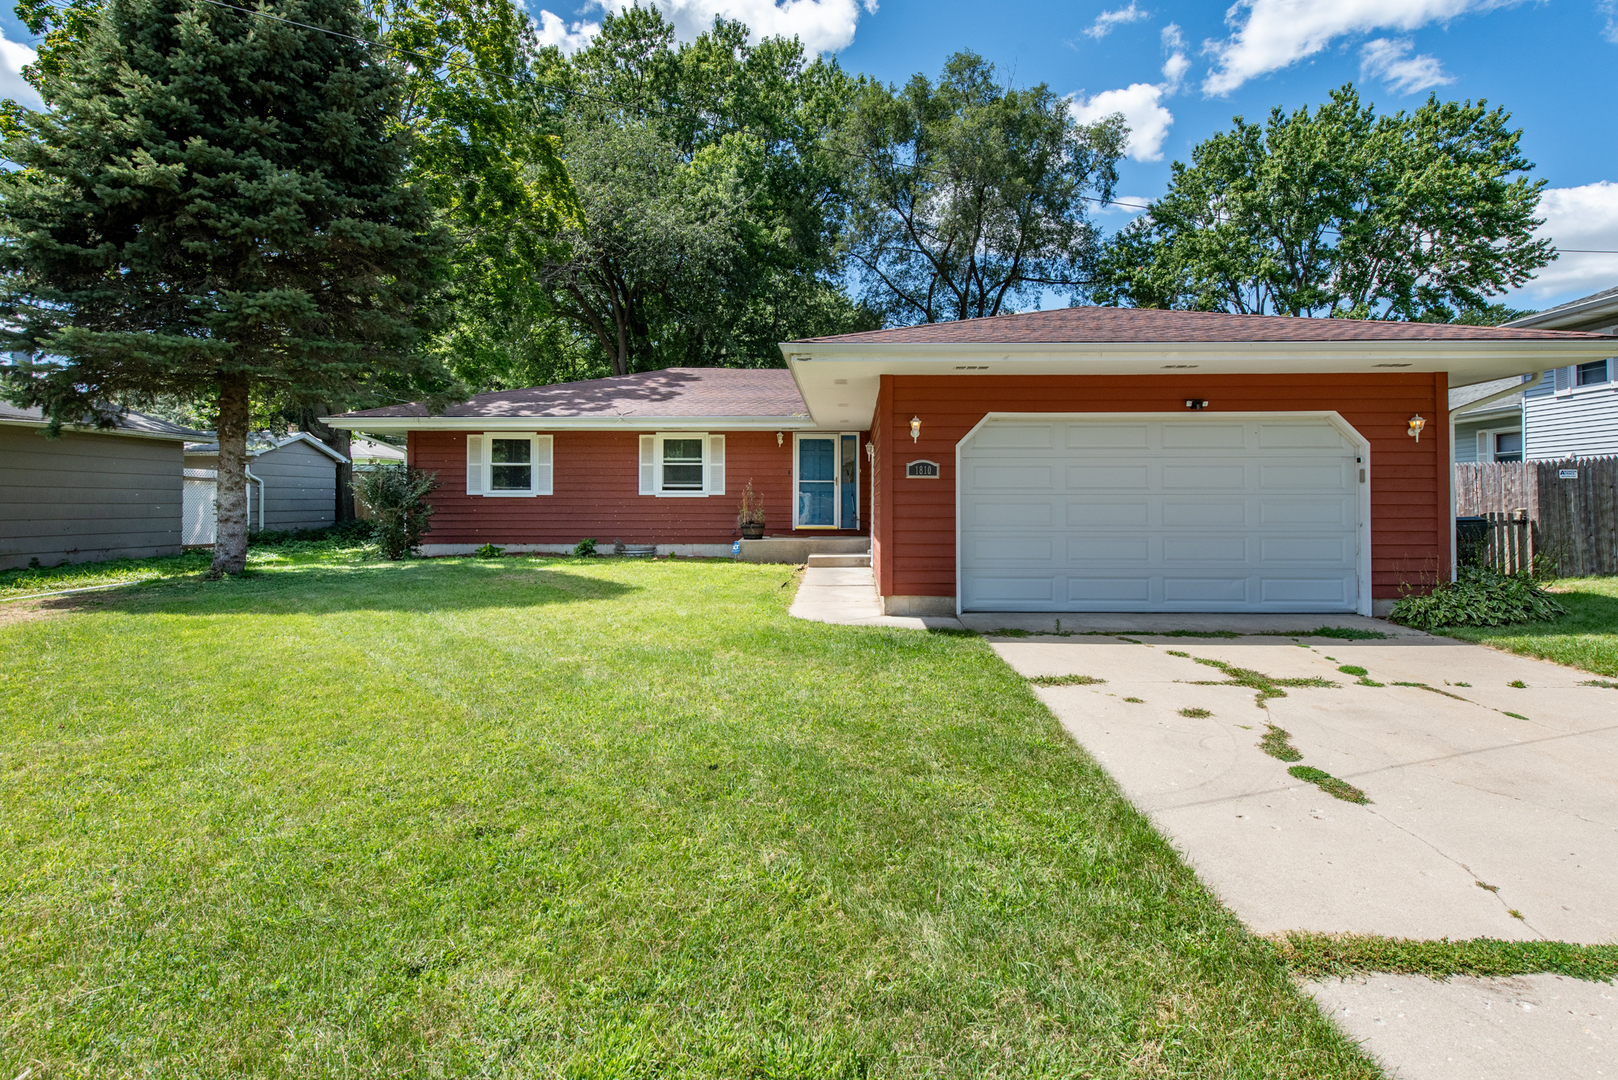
x=213, y=203
x=968, y=198
x=709, y=197
x=1339, y=212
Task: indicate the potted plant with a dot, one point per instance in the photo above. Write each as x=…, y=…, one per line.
x=750, y=518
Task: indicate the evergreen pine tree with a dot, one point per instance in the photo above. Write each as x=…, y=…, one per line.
x=212, y=204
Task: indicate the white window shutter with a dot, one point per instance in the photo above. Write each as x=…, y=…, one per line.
x=1564, y=380
x=544, y=464
x=648, y=464
x=474, y=465
x=716, y=465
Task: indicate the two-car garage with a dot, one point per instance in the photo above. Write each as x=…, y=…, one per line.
x=1150, y=512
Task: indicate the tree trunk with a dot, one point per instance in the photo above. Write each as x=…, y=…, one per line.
x=230, y=503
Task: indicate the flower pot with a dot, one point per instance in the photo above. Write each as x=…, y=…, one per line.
x=753, y=530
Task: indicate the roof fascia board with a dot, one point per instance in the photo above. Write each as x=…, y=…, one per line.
x=571, y=423
x=125, y=433
x=1591, y=309
x=304, y=436
x=1421, y=351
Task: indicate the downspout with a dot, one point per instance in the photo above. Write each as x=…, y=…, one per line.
x=249, y=471
x=1530, y=380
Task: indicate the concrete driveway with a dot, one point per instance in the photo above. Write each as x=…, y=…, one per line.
x=1493, y=812
x=1493, y=808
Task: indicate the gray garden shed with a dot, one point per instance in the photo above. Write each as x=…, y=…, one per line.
x=90, y=494
x=291, y=484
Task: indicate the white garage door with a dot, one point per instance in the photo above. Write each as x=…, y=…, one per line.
x=1200, y=513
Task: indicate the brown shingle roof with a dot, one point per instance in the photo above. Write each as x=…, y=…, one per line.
x=128, y=423
x=670, y=392
x=1078, y=325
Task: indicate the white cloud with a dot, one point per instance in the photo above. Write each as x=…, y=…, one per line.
x=1125, y=206
x=1108, y=19
x=1141, y=103
x=13, y=57
x=1142, y=106
x=1609, y=8
x=1390, y=60
x=822, y=25
x=1272, y=34
x=552, y=31
x=1577, y=217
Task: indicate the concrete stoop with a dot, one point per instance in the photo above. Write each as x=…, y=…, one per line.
x=840, y=560
x=798, y=550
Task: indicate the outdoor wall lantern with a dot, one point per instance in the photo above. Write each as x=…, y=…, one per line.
x=1196, y=403
x=1416, y=424
x=779, y=438
x=915, y=429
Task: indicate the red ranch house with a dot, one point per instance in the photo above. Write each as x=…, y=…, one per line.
x=1083, y=459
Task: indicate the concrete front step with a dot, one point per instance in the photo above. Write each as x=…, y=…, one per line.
x=839, y=560
x=798, y=549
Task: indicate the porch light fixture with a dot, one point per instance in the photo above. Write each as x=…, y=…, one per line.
x=778, y=438
x=915, y=429
x=1416, y=424
x=1196, y=403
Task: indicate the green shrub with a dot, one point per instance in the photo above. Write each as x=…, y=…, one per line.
x=1480, y=596
x=397, y=495
x=489, y=551
x=585, y=547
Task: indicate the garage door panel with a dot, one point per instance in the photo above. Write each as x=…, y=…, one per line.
x=1003, y=514
x=1012, y=477
x=1203, y=513
x=1311, y=436
x=1109, y=590
x=1205, y=437
x=1333, y=550
x=1333, y=513
x=1193, y=514
x=1017, y=549
x=1094, y=477
x=1114, y=549
x=1205, y=549
x=1104, y=436
x=1205, y=590
x=1087, y=513
x=1205, y=477
x=1327, y=476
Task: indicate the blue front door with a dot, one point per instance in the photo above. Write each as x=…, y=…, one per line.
x=817, y=483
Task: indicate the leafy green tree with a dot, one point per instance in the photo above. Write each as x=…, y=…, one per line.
x=1339, y=212
x=213, y=204
x=967, y=198
x=709, y=195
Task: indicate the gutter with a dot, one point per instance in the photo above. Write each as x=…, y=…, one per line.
x=260, y=482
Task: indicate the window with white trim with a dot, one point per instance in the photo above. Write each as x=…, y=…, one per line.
x=683, y=463
x=1593, y=374
x=509, y=464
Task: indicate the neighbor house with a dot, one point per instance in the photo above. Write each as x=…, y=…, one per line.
x=1081, y=459
x=91, y=493
x=291, y=484
x=1568, y=412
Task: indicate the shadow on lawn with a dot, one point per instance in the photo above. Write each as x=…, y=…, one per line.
x=324, y=589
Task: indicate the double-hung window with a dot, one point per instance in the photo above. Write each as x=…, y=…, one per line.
x=1593, y=374
x=675, y=464
x=509, y=463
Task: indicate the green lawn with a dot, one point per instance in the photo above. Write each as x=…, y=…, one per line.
x=586, y=819
x=1586, y=637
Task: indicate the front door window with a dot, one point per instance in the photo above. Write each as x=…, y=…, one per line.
x=817, y=483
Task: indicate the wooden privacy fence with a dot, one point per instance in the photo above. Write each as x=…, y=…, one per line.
x=1571, y=509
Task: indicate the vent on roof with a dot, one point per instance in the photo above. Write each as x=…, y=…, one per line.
x=971, y=367
x=1390, y=365
x=1181, y=365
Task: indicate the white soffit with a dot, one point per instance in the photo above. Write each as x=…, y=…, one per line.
x=840, y=381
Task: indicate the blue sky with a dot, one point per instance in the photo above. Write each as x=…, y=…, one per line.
x=1180, y=71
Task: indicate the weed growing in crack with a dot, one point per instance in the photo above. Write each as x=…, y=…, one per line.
x=1515, y=716
x=1195, y=713
x=1065, y=680
x=1135, y=700
x=1517, y=684
x=1465, y=684
x=1434, y=689
x=1278, y=744
x=1266, y=685
x=1603, y=683
x=1353, y=669
x=1325, y=781
x=1491, y=888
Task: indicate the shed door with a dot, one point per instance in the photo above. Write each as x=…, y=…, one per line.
x=1184, y=514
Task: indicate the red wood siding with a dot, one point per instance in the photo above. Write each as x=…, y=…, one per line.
x=596, y=492
x=1410, y=498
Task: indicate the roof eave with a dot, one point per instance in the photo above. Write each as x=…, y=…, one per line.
x=1421, y=351
x=78, y=429
x=570, y=423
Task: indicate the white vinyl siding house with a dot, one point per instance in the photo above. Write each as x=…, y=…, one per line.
x=1567, y=417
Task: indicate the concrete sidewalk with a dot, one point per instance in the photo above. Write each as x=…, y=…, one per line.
x=846, y=595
